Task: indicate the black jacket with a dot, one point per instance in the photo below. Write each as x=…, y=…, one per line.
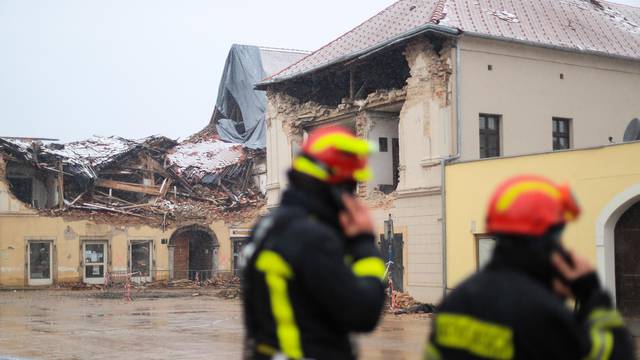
x=306, y=286
x=508, y=311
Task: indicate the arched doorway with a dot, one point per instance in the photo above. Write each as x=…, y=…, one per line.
x=627, y=262
x=193, y=252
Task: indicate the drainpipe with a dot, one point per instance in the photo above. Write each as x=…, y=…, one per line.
x=443, y=164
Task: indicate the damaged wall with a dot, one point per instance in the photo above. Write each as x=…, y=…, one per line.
x=426, y=117
x=20, y=224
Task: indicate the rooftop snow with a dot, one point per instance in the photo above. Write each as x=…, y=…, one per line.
x=96, y=150
x=206, y=156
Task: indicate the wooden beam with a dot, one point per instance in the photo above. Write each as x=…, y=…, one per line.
x=130, y=187
x=60, y=185
x=352, y=82
x=164, y=189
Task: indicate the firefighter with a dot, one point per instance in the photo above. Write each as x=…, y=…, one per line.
x=515, y=307
x=313, y=274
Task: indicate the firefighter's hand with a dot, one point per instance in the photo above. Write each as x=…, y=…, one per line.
x=581, y=266
x=355, y=219
x=580, y=278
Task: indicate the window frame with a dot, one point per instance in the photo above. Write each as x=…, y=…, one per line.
x=477, y=239
x=555, y=133
x=489, y=134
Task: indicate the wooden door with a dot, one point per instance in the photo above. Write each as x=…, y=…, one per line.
x=627, y=262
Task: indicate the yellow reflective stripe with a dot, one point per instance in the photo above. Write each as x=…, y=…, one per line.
x=272, y=263
x=363, y=174
x=475, y=336
x=608, y=345
x=602, y=321
x=431, y=352
x=514, y=191
x=369, y=266
x=343, y=142
x=607, y=318
x=277, y=271
x=306, y=166
x=266, y=349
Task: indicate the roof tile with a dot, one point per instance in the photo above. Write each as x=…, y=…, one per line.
x=610, y=28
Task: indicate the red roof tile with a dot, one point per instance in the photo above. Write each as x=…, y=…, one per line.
x=584, y=25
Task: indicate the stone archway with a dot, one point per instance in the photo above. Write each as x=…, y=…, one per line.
x=193, y=252
x=627, y=262
x=605, y=234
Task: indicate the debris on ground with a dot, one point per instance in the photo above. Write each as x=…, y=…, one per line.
x=405, y=304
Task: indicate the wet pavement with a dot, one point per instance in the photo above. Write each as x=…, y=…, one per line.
x=158, y=324
x=169, y=324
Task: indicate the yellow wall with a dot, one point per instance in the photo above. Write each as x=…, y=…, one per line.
x=596, y=176
x=19, y=224
x=67, y=237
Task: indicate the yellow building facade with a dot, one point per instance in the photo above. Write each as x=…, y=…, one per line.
x=48, y=250
x=605, y=181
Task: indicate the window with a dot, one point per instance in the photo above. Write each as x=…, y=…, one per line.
x=140, y=253
x=95, y=261
x=561, y=133
x=238, y=245
x=39, y=262
x=489, y=136
x=485, y=245
x=383, y=144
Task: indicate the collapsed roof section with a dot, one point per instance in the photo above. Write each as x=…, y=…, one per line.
x=239, y=114
x=194, y=161
x=82, y=158
x=154, y=178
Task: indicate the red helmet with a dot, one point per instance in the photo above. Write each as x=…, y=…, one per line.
x=334, y=155
x=530, y=205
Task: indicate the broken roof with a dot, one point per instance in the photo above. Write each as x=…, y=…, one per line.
x=591, y=26
x=83, y=157
x=194, y=160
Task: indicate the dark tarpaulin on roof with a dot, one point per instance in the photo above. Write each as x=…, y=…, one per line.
x=242, y=70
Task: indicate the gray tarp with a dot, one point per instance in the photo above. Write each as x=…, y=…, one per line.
x=245, y=66
x=243, y=69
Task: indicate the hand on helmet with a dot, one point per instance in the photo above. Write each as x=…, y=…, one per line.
x=355, y=219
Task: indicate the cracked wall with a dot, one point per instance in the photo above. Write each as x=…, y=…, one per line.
x=425, y=129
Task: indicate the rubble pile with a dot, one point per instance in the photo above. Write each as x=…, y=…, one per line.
x=156, y=180
x=405, y=304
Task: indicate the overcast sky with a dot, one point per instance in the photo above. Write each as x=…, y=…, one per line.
x=73, y=68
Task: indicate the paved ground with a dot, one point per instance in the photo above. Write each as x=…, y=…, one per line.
x=156, y=325
x=159, y=324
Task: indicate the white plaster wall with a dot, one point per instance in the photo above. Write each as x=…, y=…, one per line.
x=381, y=163
x=600, y=95
x=419, y=219
x=278, y=159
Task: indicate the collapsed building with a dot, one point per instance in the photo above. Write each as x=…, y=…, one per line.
x=150, y=209
x=438, y=82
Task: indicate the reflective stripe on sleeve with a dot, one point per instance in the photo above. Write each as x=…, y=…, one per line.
x=369, y=266
x=277, y=271
x=601, y=321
